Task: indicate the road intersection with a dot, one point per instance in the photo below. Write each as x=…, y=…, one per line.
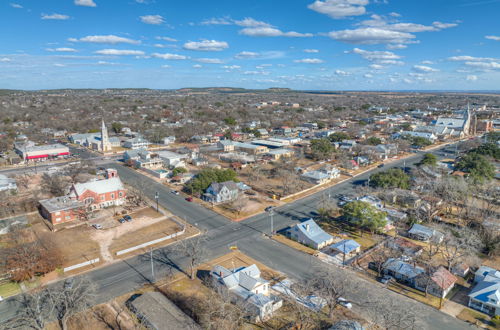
x=249, y=236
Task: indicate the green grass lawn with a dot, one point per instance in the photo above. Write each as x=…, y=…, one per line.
x=9, y=289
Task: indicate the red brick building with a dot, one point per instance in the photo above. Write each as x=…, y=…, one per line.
x=60, y=209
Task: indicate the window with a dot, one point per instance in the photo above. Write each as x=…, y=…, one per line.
x=68, y=217
x=58, y=219
x=120, y=194
x=112, y=196
x=58, y=213
x=102, y=197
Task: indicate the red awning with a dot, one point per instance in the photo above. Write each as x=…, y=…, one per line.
x=37, y=156
x=63, y=154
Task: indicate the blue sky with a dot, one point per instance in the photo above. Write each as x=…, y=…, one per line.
x=322, y=44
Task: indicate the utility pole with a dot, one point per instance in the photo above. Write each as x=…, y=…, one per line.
x=271, y=213
x=156, y=197
x=152, y=265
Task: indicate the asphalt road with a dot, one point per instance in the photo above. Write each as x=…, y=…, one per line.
x=124, y=276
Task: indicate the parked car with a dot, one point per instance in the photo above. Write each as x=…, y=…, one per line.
x=189, y=199
x=386, y=279
x=268, y=209
x=381, y=165
x=175, y=192
x=127, y=217
x=122, y=220
x=97, y=226
x=344, y=302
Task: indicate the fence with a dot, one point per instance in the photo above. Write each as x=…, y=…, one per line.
x=156, y=241
x=83, y=264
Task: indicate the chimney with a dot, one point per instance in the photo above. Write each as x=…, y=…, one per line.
x=307, y=227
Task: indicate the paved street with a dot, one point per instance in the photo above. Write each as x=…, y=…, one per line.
x=124, y=276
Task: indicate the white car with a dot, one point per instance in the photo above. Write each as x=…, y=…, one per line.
x=175, y=192
x=344, y=302
x=97, y=226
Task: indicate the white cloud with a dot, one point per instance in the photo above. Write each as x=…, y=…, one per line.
x=264, y=73
x=86, y=3
x=271, y=32
x=62, y=49
x=424, y=68
x=152, y=19
x=393, y=14
x=338, y=9
x=311, y=51
x=245, y=55
x=168, y=56
x=376, y=66
x=471, y=78
x=391, y=62
x=367, y=75
x=217, y=21
x=5, y=59
x=250, y=22
x=371, y=36
x=165, y=66
x=342, y=73
x=471, y=58
x=231, y=67
x=166, y=39
x=309, y=61
x=55, y=17
x=197, y=66
x=59, y=65
x=427, y=62
x=16, y=5
x=108, y=39
x=206, y=45
x=441, y=26
x=377, y=56
x=119, y=52
x=484, y=65
x=396, y=46
x=209, y=60
x=496, y=38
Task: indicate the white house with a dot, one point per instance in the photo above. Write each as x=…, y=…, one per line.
x=221, y=192
x=310, y=234
x=136, y=143
x=485, y=296
x=248, y=288
x=172, y=159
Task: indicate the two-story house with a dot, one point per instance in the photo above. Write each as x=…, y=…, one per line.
x=485, y=296
x=247, y=286
x=221, y=192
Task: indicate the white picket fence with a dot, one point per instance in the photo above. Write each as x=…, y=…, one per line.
x=83, y=264
x=156, y=241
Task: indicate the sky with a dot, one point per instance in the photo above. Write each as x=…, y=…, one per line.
x=298, y=44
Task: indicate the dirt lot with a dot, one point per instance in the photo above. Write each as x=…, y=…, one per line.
x=74, y=243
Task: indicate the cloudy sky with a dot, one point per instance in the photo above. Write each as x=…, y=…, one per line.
x=300, y=44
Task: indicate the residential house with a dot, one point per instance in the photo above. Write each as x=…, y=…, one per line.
x=249, y=288
x=461, y=269
x=405, y=247
x=439, y=283
x=263, y=132
x=350, y=164
x=137, y=142
x=322, y=175
x=223, y=192
x=347, y=247
x=172, y=159
x=225, y=145
x=347, y=145
x=7, y=183
x=142, y=158
x=485, y=295
x=310, y=234
x=277, y=154
x=60, y=209
x=100, y=193
x=155, y=311
x=424, y=233
x=426, y=135
x=402, y=271
x=168, y=140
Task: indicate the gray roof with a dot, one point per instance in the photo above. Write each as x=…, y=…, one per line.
x=346, y=246
x=417, y=229
x=217, y=187
x=157, y=312
x=314, y=232
x=63, y=203
x=400, y=267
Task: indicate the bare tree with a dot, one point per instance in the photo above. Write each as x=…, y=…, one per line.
x=393, y=314
x=193, y=249
x=71, y=299
x=55, y=184
x=23, y=180
x=34, y=312
x=329, y=286
x=459, y=243
x=240, y=203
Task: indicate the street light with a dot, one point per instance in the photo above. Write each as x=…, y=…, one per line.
x=270, y=210
x=156, y=197
x=152, y=264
